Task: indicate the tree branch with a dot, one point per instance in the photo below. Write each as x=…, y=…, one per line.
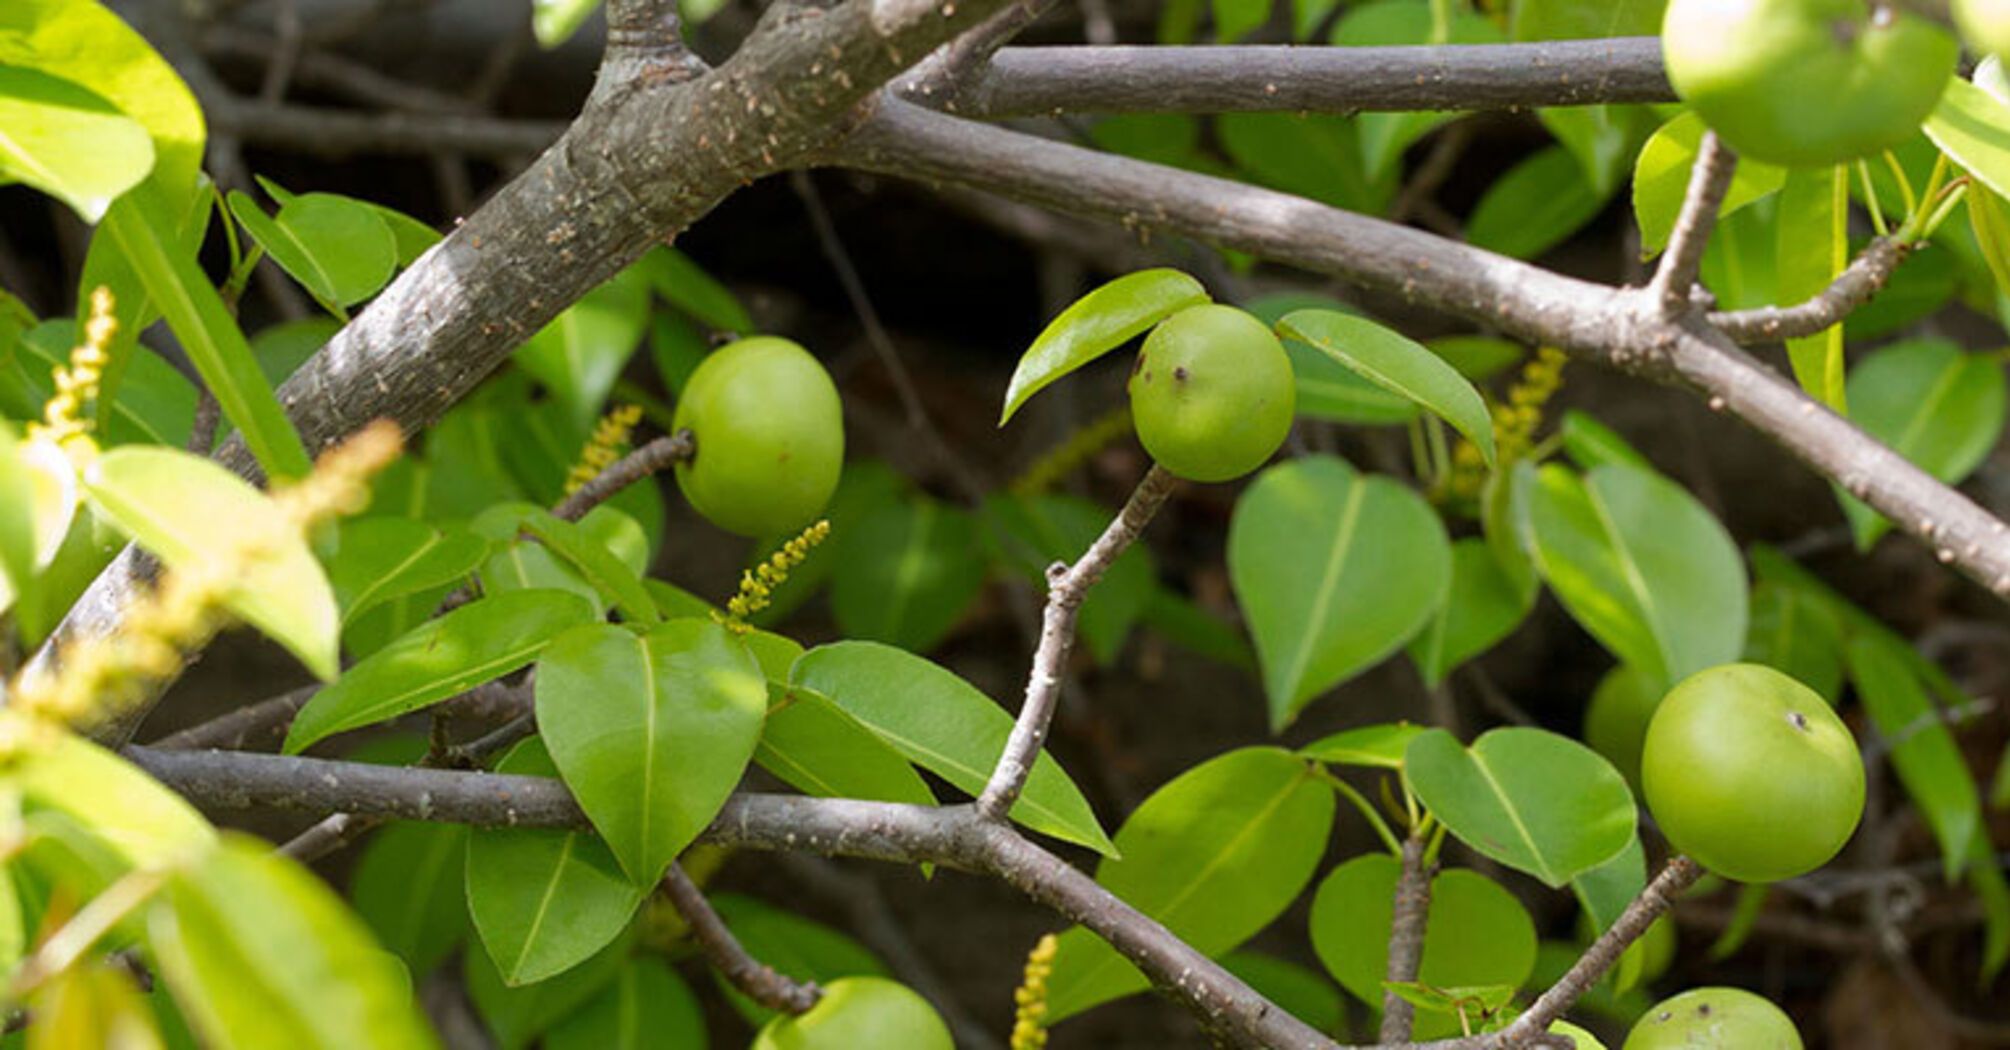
x=1067, y=586
x=1709, y=180
x=1408, y=918
x=1859, y=282
x=654, y=457
x=757, y=980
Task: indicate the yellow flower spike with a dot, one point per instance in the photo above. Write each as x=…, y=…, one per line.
x=757, y=585
x=1028, y=1031
x=340, y=482
x=1515, y=422
x=1065, y=458
x=610, y=436
x=63, y=417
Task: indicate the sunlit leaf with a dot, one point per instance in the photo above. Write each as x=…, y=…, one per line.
x=1096, y=323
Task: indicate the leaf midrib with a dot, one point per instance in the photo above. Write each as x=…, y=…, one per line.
x=1329, y=583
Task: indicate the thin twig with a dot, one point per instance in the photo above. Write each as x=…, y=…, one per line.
x=653, y=457
x=1865, y=276
x=1067, y=586
x=250, y=726
x=757, y=980
x=1411, y=912
x=1709, y=180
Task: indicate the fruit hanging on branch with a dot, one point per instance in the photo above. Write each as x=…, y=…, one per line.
x=1714, y=1019
x=770, y=436
x=1212, y=394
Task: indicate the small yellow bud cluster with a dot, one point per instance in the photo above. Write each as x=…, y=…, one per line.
x=1065, y=458
x=63, y=419
x=1029, y=1030
x=340, y=483
x=1515, y=422
x=757, y=585
x=604, y=447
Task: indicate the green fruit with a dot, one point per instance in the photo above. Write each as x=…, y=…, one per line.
x=859, y=1012
x=1751, y=774
x=1714, y=1019
x=1806, y=82
x=1986, y=24
x=1212, y=395
x=770, y=436
x=1584, y=1040
x=1616, y=723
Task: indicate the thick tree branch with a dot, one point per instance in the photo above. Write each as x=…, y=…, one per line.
x=1709, y=180
x=1865, y=276
x=1067, y=586
x=757, y=980
x=1409, y=915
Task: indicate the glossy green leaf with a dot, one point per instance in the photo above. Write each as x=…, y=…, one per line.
x=261, y=953
x=1538, y=802
x=651, y=733
x=1033, y=532
x=580, y=354
x=411, y=237
x=200, y=518
x=1937, y=406
x=1605, y=891
x=1377, y=746
x=68, y=142
x=1591, y=444
x=1923, y=749
x=1303, y=993
x=408, y=887
x=1319, y=156
x=816, y=746
x=1536, y=206
x=683, y=284
x=1973, y=127
x=1992, y=891
x=946, y=726
x=1485, y=605
x=1793, y=632
x=554, y=21
x=1334, y=571
x=1214, y=855
x=384, y=558
x=1989, y=220
x=800, y=948
x=1661, y=180
x=155, y=403
x=1642, y=566
x=144, y=231
x=909, y=571
x=518, y=1014
x=1328, y=389
x=1475, y=933
x=1601, y=137
x=144, y=823
x=1813, y=231
x=1097, y=323
x=338, y=248
x=603, y=569
x=1399, y=365
x=478, y=642
x=646, y=1006
x=1382, y=23
x=543, y=899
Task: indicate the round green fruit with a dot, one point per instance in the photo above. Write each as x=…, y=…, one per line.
x=859, y=1012
x=1751, y=774
x=1986, y=24
x=1213, y=394
x=1714, y=1019
x=770, y=435
x=1806, y=82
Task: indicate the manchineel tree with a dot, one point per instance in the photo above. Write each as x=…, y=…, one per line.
x=430, y=494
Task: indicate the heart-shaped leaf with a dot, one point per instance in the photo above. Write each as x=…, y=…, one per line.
x=69, y=143
x=384, y=558
x=1535, y=801
x=1097, y=323
x=596, y=564
x=1934, y=404
x=339, y=249
x=1399, y=365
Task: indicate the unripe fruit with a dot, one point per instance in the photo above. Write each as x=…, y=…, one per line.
x=1751, y=774
x=1806, y=82
x=856, y=1013
x=770, y=435
x=1212, y=394
x=1986, y=24
x=1714, y=1019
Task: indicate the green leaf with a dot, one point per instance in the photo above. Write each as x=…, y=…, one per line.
x=260, y=953
x=796, y=947
x=650, y=733
x=1535, y=801
x=816, y=746
x=1475, y=933
x=1320, y=157
x=1600, y=136
x=909, y=571
x=1376, y=746
x=554, y=21
x=544, y=900
x=648, y=1005
x=1477, y=357
x=1214, y=855
x=1303, y=993
x=946, y=726
x=599, y=566
x=1813, y=231
x=1607, y=889
x=516, y=1015
x=408, y=888
x=1235, y=19
x=338, y=248
x=144, y=823
x=1485, y=605
x=1097, y=323
x=1399, y=365
x=1741, y=262
x=1989, y=219
x=384, y=558
x=412, y=237
x=1931, y=403
x=95, y=1002
x=1033, y=532
x=1973, y=127
x=282, y=348
x=580, y=354
x=208, y=333
x=1642, y=566
x=1334, y=571
x=1923, y=749
x=200, y=518
x=1796, y=633
x=1536, y=206
x=1591, y=444
x=1985, y=878
x=683, y=284
x=1328, y=389
x=478, y=642
x=69, y=143
x=38, y=500
x=1385, y=136
x=1661, y=180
